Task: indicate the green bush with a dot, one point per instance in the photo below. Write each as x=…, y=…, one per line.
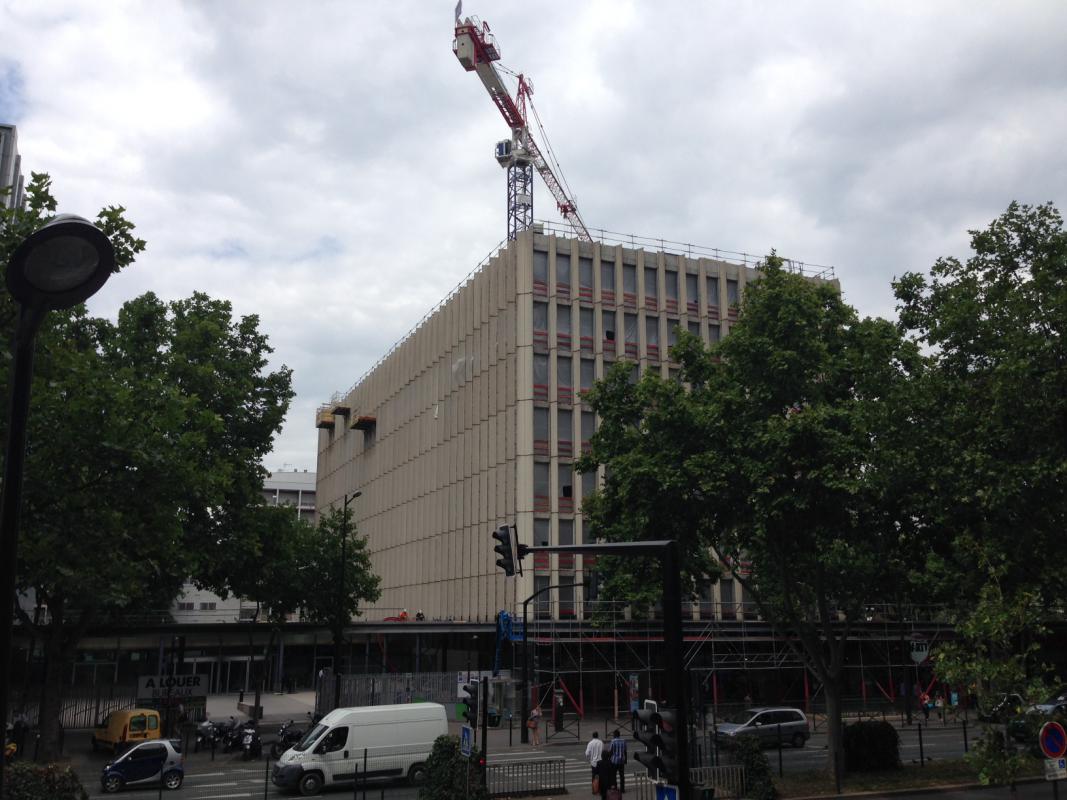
x=450, y=775
x=871, y=745
x=758, y=782
x=27, y=781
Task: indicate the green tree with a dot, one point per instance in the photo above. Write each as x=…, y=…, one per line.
x=992, y=410
x=770, y=454
x=143, y=459
x=335, y=586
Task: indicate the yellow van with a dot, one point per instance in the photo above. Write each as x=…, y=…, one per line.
x=125, y=727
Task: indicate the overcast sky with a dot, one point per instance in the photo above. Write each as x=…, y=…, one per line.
x=329, y=166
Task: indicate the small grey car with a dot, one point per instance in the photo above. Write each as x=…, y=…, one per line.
x=765, y=723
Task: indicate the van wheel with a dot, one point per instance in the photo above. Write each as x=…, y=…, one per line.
x=798, y=740
x=112, y=784
x=418, y=774
x=172, y=780
x=275, y=750
x=310, y=784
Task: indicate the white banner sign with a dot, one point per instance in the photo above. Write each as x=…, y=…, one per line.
x=159, y=687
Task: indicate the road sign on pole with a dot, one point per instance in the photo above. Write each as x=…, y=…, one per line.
x=1055, y=769
x=920, y=650
x=466, y=740
x=664, y=791
x=1053, y=740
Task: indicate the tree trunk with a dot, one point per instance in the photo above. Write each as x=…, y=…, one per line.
x=52, y=686
x=835, y=729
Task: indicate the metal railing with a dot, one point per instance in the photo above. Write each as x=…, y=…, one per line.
x=386, y=689
x=526, y=778
x=687, y=249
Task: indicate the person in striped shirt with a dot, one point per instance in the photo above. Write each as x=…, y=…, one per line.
x=617, y=755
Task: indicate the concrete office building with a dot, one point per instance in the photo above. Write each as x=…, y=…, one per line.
x=292, y=488
x=10, y=169
x=475, y=419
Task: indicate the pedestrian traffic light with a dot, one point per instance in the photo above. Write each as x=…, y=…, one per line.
x=470, y=713
x=506, y=549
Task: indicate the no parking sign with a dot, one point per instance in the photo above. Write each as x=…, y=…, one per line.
x=1053, y=740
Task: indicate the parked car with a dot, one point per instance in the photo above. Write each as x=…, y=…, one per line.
x=764, y=723
x=147, y=763
x=124, y=727
x=1008, y=706
x=1025, y=727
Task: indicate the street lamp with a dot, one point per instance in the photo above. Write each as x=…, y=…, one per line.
x=341, y=604
x=56, y=267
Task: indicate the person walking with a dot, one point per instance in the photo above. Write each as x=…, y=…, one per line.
x=594, y=751
x=618, y=758
x=534, y=724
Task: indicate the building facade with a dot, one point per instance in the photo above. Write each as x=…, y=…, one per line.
x=476, y=418
x=10, y=169
x=292, y=488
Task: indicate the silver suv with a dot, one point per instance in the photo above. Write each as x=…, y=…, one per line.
x=767, y=724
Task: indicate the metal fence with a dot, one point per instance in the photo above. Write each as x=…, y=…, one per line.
x=82, y=708
x=527, y=778
x=386, y=688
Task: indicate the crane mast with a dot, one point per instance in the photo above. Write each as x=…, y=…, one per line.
x=476, y=48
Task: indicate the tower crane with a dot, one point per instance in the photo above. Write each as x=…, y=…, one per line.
x=476, y=49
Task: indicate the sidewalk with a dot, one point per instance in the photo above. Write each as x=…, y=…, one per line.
x=276, y=707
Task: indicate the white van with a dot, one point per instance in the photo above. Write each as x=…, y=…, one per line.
x=371, y=741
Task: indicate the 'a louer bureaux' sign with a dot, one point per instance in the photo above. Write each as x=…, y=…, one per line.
x=159, y=687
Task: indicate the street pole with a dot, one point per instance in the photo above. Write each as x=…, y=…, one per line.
x=341, y=604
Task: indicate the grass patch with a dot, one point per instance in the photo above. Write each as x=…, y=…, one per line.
x=912, y=776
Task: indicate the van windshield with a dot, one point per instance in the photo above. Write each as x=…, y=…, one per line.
x=741, y=717
x=309, y=738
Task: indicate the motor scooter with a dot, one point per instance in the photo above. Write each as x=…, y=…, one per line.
x=251, y=744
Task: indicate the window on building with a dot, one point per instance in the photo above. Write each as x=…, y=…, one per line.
x=629, y=285
x=651, y=289
x=727, y=604
x=540, y=325
x=540, y=377
x=564, y=380
x=635, y=375
x=672, y=332
x=542, y=444
x=607, y=320
x=563, y=326
x=588, y=429
x=185, y=605
x=692, y=301
x=713, y=333
x=670, y=290
x=541, y=533
x=585, y=329
x=565, y=432
x=542, y=497
x=713, y=291
x=566, y=488
x=588, y=486
x=630, y=321
x=652, y=336
x=566, y=536
x=587, y=375
x=733, y=294
x=207, y=606
x=585, y=278
x=540, y=272
x=566, y=593
x=607, y=279
x=563, y=274
x=542, y=605
x=694, y=327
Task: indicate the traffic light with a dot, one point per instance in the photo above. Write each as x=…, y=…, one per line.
x=657, y=730
x=511, y=552
x=645, y=731
x=506, y=549
x=471, y=712
x=668, y=745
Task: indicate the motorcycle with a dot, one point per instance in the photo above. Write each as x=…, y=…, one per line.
x=231, y=736
x=287, y=737
x=207, y=735
x=251, y=745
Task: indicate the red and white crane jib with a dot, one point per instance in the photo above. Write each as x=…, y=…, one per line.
x=476, y=48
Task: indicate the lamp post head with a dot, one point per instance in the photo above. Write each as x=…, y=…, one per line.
x=61, y=264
